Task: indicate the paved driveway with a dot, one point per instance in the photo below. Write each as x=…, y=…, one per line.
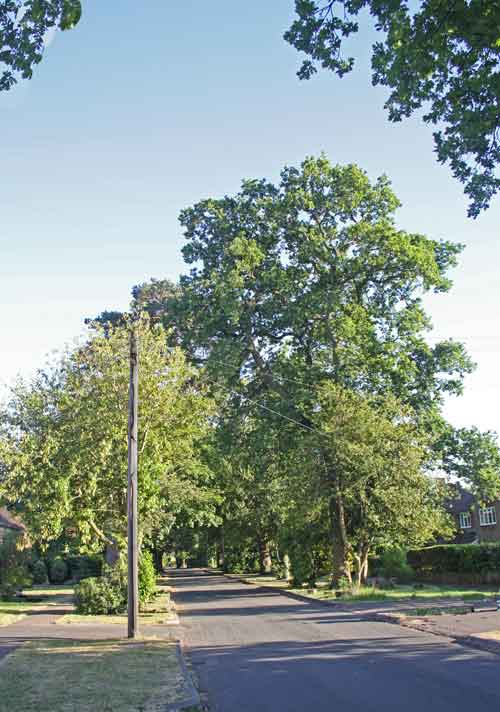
x=260, y=651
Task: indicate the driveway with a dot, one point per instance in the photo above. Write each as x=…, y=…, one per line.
x=259, y=651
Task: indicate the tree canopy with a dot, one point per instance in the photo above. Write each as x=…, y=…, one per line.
x=442, y=57
x=23, y=30
x=64, y=444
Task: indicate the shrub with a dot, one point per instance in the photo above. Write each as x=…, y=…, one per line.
x=147, y=577
x=81, y=567
x=302, y=565
x=14, y=572
x=394, y=564
x=39, y=572
x=98, y=596
x=58, y=570
x=472, y=561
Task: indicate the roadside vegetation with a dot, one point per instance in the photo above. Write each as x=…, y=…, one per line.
x=291, y=411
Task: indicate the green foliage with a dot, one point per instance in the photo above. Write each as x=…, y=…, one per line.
x=58, y=571
x=455, y=558
x=39, y=572
x=23, y=28
x=441, y=56
x=65, y=448
x=265, y=263
x=81, y=567
x=147, y=577
x=393, y=564
x=473, y=457
x=14, y=566
x=105, y=595
x=97, y=596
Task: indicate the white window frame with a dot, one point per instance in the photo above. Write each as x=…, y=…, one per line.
x=487, y=517
x=465, y=520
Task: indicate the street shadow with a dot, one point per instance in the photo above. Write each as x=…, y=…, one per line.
x=372, y=674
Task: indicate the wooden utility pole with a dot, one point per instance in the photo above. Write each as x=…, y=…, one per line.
x=133, y=587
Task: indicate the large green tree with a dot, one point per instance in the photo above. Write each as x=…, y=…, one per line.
x=309, y=281
x=64, y=442
x=442, y=57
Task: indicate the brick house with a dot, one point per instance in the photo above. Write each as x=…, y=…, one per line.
x=9, y=524
x=475, y=523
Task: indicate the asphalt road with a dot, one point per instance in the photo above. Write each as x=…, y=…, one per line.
x=260, y=651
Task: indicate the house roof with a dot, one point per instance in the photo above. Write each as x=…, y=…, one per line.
x=7, y=521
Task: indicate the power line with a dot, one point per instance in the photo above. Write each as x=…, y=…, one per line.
x=265, y=407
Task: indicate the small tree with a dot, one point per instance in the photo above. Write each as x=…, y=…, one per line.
x=378, y=455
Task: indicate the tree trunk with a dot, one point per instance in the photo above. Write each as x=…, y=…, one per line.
x=221, y=550
x=361, y=565
x=340, y=544
x=158, y=560
x=287, y=567
x=265, y=561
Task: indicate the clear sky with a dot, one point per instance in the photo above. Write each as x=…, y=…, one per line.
x=146, y=108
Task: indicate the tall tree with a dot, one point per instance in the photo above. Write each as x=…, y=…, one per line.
x=440, y=56
x=311, y=281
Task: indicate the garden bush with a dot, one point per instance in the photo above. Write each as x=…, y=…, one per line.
x=58, y=570
x=39, y=572
x=81, y=567
x=473, y=562
x=147, y=577
x=99, y=596
x=14, y=563
x=394, y=564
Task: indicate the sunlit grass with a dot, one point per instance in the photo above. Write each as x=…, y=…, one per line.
x=323, y=591
x=96, y=676
x=9, y=618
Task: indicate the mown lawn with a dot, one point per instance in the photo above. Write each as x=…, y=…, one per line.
x=7, y=618
x=93, y=676
x=370, y=593
x=32, y=601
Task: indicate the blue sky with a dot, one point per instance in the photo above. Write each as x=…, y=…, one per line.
x=146, y=108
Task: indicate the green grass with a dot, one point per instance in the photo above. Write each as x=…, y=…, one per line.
x=9, y=618
x=401, y=593
x=420, y=612
x=93, y=676
x=323, y=591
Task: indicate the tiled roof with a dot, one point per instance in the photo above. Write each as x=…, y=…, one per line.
x=7, y=521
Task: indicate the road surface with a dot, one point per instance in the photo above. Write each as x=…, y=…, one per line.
x=260, y=651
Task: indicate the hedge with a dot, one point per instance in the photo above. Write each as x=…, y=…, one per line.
x=457, y=563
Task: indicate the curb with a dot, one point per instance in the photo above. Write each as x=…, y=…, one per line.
x=285, y=592
x=471, y=641
x=193, y=701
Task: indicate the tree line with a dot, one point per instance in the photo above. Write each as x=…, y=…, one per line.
x=290, y=397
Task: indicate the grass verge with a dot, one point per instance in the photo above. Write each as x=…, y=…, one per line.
x=93, y=676
x=322, y=591
x=9, y=618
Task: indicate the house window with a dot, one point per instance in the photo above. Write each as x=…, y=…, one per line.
x=487, y=516
x=465, y=520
